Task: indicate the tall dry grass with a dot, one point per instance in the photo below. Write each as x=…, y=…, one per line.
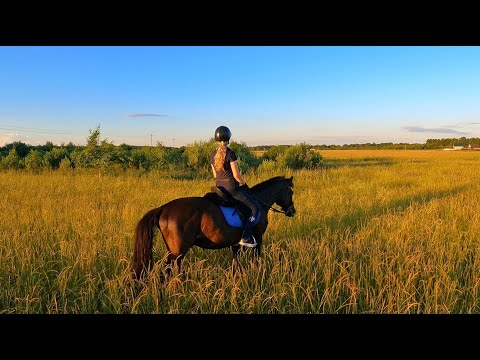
x=375, y=232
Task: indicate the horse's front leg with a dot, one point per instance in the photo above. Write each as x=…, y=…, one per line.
x=235, y=251
x=257, y=250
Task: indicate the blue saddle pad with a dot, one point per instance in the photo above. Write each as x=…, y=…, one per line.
x=232, y=217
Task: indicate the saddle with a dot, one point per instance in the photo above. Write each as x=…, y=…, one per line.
x=220, y=196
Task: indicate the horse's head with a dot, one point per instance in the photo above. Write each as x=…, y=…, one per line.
x=285, y=198
x=277, y=190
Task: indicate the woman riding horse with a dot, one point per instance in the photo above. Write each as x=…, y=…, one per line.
x=227, y=174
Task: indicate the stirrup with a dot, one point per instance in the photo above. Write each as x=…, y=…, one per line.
x=247, y=244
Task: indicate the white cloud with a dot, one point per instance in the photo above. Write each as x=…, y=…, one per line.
x=440, y=130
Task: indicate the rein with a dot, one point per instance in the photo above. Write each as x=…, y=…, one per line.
x=271, y=207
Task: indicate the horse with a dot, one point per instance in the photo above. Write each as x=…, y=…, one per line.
x=188, y=221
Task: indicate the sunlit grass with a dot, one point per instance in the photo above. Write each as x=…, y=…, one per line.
x=376, y=231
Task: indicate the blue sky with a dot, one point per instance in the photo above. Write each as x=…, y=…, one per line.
x=266, y=95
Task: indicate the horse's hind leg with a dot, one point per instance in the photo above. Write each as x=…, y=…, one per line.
x=173, y=260
x=177, y=243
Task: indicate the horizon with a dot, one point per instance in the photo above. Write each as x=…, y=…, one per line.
x=266, y=95
x=63, y=144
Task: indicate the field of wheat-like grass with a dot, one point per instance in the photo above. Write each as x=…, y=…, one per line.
x=392, y=231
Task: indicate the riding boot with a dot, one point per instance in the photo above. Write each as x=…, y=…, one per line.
x=247, y=238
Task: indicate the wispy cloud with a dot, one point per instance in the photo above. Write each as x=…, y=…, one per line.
x=441, y=130
x=144, y=115
x=461, y=125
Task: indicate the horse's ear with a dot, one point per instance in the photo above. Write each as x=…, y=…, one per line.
x=290, y=181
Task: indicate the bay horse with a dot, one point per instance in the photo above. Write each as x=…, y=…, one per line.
x=188, y=221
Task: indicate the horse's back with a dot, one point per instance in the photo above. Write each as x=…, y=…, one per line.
x=192, y=208
x=192, y=202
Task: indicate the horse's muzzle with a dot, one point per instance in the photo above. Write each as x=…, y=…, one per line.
x=290, y=211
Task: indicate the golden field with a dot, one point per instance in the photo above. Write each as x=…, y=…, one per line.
x=376, y=231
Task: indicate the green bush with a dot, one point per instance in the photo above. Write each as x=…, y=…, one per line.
x=121, y=156
x=246, y=158
x=269, y=167
x=197, y=155
x=300, y=156
x=168, y=158
x=12, y=160
x=273, y=152
x=53, y=158
x=65, y=165
x=34, y=160
x=173, y=159
x=142, y=158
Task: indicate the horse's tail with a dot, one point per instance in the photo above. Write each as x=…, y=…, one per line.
x=142, y=247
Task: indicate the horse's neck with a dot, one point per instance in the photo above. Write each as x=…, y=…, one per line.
x=267, y=196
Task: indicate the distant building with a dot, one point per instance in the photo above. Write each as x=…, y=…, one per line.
x=474, y=147
x=458, y=146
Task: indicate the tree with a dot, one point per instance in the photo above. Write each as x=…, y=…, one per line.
x=34, y=160
x=21, y=148
x=94, y=139
x=12, y=160
x=91, y=155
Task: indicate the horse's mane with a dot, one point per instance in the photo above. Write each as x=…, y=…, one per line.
x=267, y=183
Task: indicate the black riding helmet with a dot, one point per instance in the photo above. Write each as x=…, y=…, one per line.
x=223, y=133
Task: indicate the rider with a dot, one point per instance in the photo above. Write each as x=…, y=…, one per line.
x=227, y=174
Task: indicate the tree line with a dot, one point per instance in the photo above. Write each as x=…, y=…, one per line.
x=430, y=144
x=191, y=160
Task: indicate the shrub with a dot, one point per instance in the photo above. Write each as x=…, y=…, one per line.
x=53, y=158
x=269, y=167
x=300, y=156
x=34, y=160
x=65, y=165
x=142, y=158
x=246, y=158
x=168, y=158
x=273, y=152
x=173, y=159
x=197, y=155
x=12, y=160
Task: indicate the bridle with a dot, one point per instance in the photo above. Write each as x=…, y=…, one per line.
x=287, y=212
